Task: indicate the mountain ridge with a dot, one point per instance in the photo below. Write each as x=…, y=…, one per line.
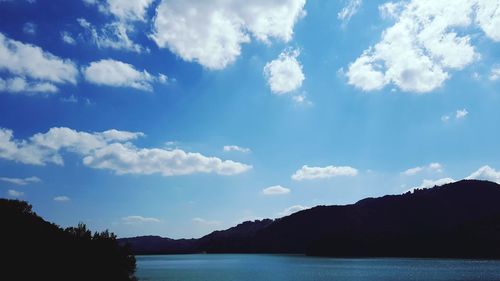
x=460, y=219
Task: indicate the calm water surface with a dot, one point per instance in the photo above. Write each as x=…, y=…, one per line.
x=299, y=268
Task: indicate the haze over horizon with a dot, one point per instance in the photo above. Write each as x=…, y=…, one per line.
x=177, y=118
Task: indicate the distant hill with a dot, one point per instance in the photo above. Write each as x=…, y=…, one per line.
x=460, y=219
x=33, y=249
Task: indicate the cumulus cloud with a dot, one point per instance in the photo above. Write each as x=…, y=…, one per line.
x=418, y=51
x=14, y=193
x=67, y=38
x=495, y=73
x=139, y=220
x=461, y=113
x=432, y=183
x=228, y=148
x=390, y=10
x=486, y=173
x=21, y=181
x=284, y=74
x=21, y=85
x=44, y=148
x=275, y=190
x=129, y=10
x=119, y=74
x=432, y=167
x=211, y=32
x=30, y=69
x=310, y=173
x=127, y=159
x=350, y=9
x=292, y=209
x=62, y=198
x=111, y=150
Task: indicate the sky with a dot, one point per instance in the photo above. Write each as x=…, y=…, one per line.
x=180, y=117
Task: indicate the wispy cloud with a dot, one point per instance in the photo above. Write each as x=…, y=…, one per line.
x=21, y=181
x=62, y=198
x=14, y=193
x=311, y=173
x=206, y=222
x=275, y=190
x=432, y=167
x=349, y=10
x=139, y=220
x=292, y=209
x=228, y=148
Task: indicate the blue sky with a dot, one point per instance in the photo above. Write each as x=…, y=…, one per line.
x=176, y=118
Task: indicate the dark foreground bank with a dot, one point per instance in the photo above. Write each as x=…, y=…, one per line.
x=33, y=249
x=457, y=220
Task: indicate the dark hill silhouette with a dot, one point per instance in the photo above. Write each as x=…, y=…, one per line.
x=33, y=249
x=159, y=245
x=460, y=219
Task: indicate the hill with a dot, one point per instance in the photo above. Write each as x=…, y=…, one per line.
x=33, y=249
x=460, y=219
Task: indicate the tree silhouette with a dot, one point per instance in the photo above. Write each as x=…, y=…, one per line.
x=33, y=249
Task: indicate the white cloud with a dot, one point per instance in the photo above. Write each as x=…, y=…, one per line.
x=436, y=167
x=495, y=73
x=127, y=159
x=284, y=74
x=67, y=38
x=432, y=167
x=445, y=118
x=431, y=183
x=300, y=99
x=461, y=113
x=29, y=28
x=350, y=9
x=31, y=69
x=124, y=10
x=112, y=35
x=21, y=85
x=129, y=10
x=162, y=78
x=390, y=9
x=309, y=173
x=228, y=148
x=14, y=193
x=62, y=198
x=292, y=209
x=488, y=17
x=139, y=220
x=412, y=171
x=118, y=74
x=202, y=221
x=249, y=218
x=111, y=150
x=212, y=32
x=115, y=34
x=486, y=173
x=416, y=53
x=275, y=190
x=21, y=181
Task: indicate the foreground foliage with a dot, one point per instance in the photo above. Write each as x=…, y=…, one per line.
x=33, y=249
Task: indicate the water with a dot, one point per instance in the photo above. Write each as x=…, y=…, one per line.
x=300, y=268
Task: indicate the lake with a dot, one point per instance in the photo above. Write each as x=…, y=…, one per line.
x=235, y=267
